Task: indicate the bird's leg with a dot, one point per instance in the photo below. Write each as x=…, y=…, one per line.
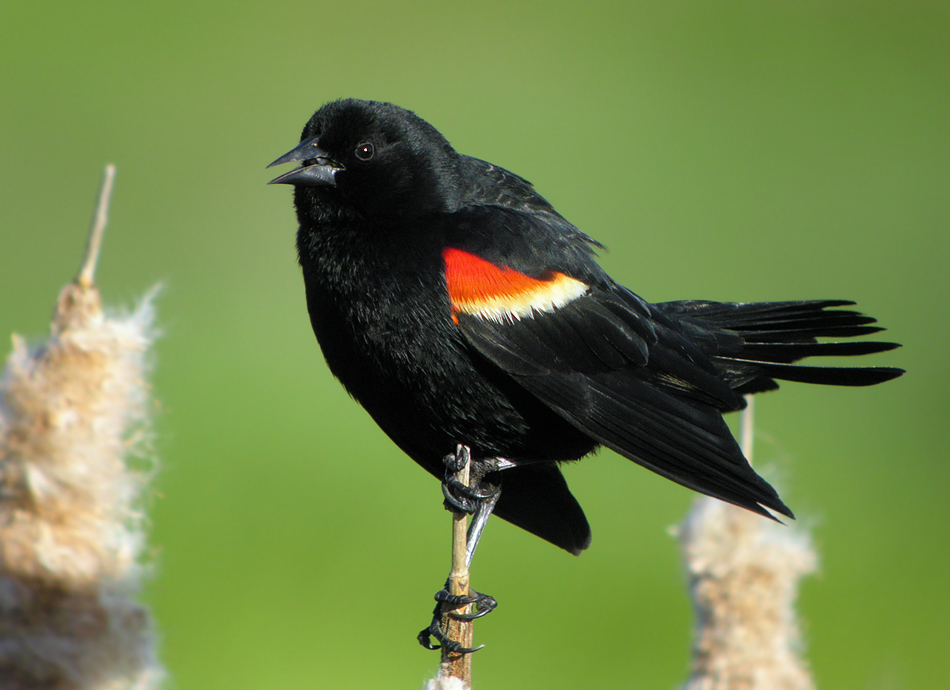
x=479, y=500
x=484, y=603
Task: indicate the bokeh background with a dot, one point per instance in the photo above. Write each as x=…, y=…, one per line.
x=731, y=151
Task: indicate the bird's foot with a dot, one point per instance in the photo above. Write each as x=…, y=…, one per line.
x=461, y=498
x=483, y=605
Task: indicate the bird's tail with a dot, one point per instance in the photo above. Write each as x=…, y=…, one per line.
x=754, y=343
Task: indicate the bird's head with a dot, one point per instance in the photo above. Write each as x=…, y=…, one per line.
x=371, y=158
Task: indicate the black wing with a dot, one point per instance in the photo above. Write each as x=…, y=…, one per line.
x=618, y=370
x=649, y=381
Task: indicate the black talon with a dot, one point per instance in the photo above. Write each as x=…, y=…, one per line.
x=435, y=630
x=456, y=461
x=451, y=645
x=454, y=600
x=427, y=633
x=476, y=492
x=455, y=503
x=484, y=604
x=461, y=498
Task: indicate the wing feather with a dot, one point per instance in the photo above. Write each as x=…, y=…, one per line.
x=656, y=401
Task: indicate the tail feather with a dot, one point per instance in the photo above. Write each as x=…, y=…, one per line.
x=754, y=312
x=806, y=334
x=772, y=336
x=792, y=352
x=829, y=376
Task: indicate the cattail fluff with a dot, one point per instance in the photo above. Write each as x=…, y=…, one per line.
x=442, y=682
x=743, y=574
x=74, y=416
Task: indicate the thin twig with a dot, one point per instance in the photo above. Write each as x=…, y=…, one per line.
x=748, y=432
x=88, y=269
x=458, y=665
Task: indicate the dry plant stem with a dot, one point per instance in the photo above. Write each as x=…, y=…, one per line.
x=94, y=243
x=747, y=429
x=744, y=572
x=458, y=665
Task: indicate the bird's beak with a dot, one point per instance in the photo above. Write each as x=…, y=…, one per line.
x=317, y=170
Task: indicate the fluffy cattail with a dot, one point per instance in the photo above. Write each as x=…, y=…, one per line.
x=74, y=413
x=443, y=682
x=743, y=577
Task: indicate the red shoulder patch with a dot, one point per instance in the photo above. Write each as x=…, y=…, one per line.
x=479, y=287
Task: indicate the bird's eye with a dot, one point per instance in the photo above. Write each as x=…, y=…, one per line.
x=365, y=151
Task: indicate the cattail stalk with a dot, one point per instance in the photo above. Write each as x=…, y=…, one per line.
x=74, y=413
x=458, y=665
x=744, y=572
x=455, y=671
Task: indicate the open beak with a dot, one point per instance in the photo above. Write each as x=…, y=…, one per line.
x=316, y=169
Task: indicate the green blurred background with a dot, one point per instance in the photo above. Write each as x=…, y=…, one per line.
x=732, y=151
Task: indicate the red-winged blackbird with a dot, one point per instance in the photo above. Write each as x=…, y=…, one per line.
x=458, y=307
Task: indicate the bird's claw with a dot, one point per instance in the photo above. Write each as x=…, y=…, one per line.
x=454, y=462
x=465, y=499
x=483, y=605
x=435, y=630
x=458, y=496
x=426, y=633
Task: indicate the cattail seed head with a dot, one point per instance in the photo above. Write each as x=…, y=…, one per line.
x=74, y=418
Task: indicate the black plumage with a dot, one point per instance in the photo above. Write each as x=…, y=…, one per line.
x=458, y=307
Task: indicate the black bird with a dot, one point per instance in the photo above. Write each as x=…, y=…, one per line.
x=458, y=307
